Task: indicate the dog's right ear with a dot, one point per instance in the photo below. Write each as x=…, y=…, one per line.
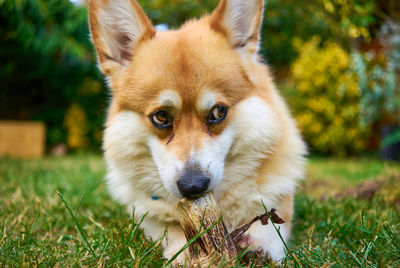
x=117, y=27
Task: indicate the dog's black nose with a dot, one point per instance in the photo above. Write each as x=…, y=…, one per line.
x=193, y=183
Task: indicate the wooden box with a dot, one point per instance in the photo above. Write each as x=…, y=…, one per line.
x=22, y=139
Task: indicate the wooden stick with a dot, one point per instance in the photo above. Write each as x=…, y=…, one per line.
x=196, y=215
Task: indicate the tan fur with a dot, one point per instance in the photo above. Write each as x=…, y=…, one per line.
x=286, y=209
x=205, y=55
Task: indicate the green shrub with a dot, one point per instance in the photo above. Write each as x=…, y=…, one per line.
x=378, y=77
x=326, y=100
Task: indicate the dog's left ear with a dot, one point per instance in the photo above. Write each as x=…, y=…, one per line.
x=240, y=21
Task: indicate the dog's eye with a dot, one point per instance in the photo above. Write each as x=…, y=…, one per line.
x=161, y=119
x=218, y=113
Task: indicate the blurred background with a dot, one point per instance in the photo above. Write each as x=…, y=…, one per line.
x=336, y=61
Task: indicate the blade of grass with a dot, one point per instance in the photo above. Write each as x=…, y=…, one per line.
x=134, y=228
x=202, y=220
x=78, y=226
x=280, y=236
x=367, y=251
x=79, y=203
x=355, y=257
x=392, y=236
x=35, y=221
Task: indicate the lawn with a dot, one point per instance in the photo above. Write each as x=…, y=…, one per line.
x=56, y=211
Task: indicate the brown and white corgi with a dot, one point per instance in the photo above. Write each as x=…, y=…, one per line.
x=194, y=110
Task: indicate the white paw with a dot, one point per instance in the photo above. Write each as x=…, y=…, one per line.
x=255, y=250
x=265, y=240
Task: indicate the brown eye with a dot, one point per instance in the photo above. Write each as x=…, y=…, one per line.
x=217, y=114
x=161, y=119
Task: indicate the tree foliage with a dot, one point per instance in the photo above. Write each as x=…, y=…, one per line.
x=284, y=20
x=48, y=68
x=47, y=61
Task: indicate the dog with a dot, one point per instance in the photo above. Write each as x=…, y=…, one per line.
x=195, y=110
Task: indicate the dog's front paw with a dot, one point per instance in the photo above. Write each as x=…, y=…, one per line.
x=254, y=251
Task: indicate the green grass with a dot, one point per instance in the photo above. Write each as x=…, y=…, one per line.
x=36, y=228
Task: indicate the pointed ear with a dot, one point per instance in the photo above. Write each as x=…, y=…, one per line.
x=116, y=27
x=240, y=21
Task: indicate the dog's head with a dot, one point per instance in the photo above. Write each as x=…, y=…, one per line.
x=188, y=101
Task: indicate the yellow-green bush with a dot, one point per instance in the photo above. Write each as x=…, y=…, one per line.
x=326, y=100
